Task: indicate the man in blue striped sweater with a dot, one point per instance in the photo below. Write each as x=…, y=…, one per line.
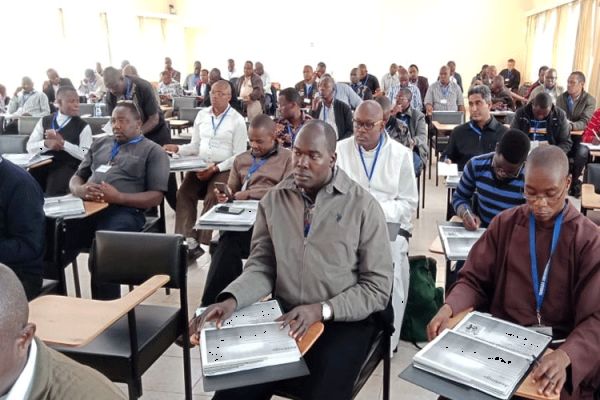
x=497, y=179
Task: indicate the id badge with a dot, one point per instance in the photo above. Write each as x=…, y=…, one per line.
x=443, y=101
x=103, y=168
x=307, y=100
x=544, y=330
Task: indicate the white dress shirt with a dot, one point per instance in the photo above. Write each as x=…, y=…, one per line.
x=22, y=387
x=266, y=79
x=217, y=139
x=35, y=144
x=327, y=114
x=388, y=81
x=232, y=74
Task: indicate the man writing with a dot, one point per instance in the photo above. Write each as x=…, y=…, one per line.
x=320, y=244
x=539, y=265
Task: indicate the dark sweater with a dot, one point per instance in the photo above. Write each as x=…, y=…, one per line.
x=21, y=220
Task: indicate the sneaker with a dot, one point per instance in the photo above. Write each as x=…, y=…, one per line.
x=575, y=189
x=194, y=254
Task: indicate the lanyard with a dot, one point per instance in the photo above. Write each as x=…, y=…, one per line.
x=256, y=164
x=117, y=147
x=535, y=128
x=55, y=123
x=366, y=80
x=539, y=288
x=362, y=158
x=293, y=132
x=476, y=129
x=325, y=111
x=308, y=89
x=216, y=128
x=445, y=90
x=25, y=98
x=128, y=90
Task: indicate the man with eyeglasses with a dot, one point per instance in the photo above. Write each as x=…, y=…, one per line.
x=538, y=265
x=384, y=167
x=480, y=134
x=550, y=87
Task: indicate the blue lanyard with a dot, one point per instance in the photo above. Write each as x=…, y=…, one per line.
x=535, y=128
x=308, y=89
x=366, y=80
x=293, y=132
x=445, y=90
x=55, y=123
x=128, y=90
x=476, y=129
x=216, y=128
x=256, y=164
x=325, y=112
x=362, y=158
x=117, y=147
x=25, y=98
x=539, y=288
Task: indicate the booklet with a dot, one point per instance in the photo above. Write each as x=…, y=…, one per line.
x=237, y=215
x=445, y=169
x=26, y=160
x=186, y=163
x=63, y=206
x=248, y=340
x=485, y=353
x=457, y=240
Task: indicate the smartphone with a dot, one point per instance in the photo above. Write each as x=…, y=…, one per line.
x=229, y=210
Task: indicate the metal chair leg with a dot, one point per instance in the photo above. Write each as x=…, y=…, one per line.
x=76, y=278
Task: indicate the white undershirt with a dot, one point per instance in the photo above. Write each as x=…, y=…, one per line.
x=22, y=387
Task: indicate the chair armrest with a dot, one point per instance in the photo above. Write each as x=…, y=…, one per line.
x=589, y=198
x=71, y=321
x=310, y=337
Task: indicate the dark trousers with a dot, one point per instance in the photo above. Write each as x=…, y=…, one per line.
x=32, y=283
x=334, y=363
x=171, y=195
x=580, y=155
x=226, y=263
x=116, y=218
x=54, y=178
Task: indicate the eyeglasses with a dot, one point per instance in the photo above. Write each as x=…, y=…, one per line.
x=218, y=94
x=503, y=174
x=549, y=199
x=364, y=125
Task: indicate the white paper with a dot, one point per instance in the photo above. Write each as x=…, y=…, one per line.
x=25, y=160
x=445, y=169
x=592, y=146
x=458, y=241
x=63, y=206
x=245, y=219
x=187, y=163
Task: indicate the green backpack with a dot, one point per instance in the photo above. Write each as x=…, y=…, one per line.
x=424, y=299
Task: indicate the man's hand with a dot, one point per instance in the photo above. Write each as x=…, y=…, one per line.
x=471, y=221
x=218, y=312
x=110, y=194
x=242, y=195
x=90, y=192
x=550, y=373
x=54, y=141
x=18, y=90
x=171, y=148
x=439, y=322
x=317, y=100
x=301, y=318
x=207, y=173
x=224, y=197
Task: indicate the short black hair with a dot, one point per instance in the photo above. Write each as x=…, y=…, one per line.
x=413, y=66
x=512, y=60
x=130, y=105
x=326, y=129
x=542, y=100
x=263, y=121
x=65, y=89
x=543, y=68
x=580, y=76
x=291, y=95
x=514, y=146
x=384, y=102
x=321, y=64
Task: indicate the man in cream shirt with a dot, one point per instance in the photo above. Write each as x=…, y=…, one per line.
x=219, y=135
x=384, y=167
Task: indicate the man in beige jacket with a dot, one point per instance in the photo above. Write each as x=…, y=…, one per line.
x=321, y=247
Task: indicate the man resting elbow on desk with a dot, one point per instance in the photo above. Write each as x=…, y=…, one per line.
x=538, y=265
x=320, y=246
x=254, y=172
x=127, y=171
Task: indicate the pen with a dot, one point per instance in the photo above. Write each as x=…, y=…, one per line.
x=594, y=132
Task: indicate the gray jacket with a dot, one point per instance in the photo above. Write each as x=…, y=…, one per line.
x=417, y=127
x=583, y=110
x=345, y=259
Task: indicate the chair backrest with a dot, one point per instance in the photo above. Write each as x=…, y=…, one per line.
x=86, y=109
x=449, y=117
x=26, y=124
x=130, y=258
x=189, y=114
x=13, y=143
x=592, y=175
x=96, y=123
x=183, y=102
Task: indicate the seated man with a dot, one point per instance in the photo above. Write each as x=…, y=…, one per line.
x=368, y=80
x=331, y=110
x=539, y=82
x=320, y=245
x=26, y=102
x=420, y=82
x=383, y=167
x=546, y=240
x=579, y=106
x=214, y=76
x=501, y=98
x=307, y=88
x=51, y=86
x=92, y=87
x=168, y=88
x=250, y=91
x=63, y=135
x=390, y=79
x=404, y=83
x=480, y=134
x=175, y=75
x=254, y=172
x=543, y=121
x=127, y=171
x=361, y=90
x=444, y=95
x=550, y=87
x=492, y=182
x=512, y=76
x=191, y=81
x=32, y=370
x=292, y=117
x=22, y=233
x=219, y=135
x=203, y=87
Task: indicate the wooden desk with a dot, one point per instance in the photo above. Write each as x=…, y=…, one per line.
x=444, y=128
x=178, y=124
x=70, y=321
x=92, y=207
x=165, y=109
x=40, y=164
x=590, y=200
x=576, y=133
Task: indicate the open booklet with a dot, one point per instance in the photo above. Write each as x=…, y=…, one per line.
x=457, y=240
x=249, y=339
x=485, y=353
x=63, y=206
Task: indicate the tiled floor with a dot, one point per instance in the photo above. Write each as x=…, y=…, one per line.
x=164, y=380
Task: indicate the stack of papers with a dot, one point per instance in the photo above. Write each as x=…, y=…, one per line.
x=191, y=163
x=26, y=160
x=457, y=240
x=63, y=206
x=445, y=169
x=248, y=340
x=453, y=180
x=235, y=221
x=483, y=352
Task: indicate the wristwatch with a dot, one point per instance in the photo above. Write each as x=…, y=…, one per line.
x=326, y=311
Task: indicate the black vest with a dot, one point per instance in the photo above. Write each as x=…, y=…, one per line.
x=70, y=133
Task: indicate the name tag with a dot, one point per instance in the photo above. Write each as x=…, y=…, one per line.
x=443, y=101
x=103, y=168
x=307, y=101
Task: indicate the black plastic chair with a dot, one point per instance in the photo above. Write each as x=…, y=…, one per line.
x=132, y=344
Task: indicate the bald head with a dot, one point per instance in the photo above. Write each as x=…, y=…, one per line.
x=550, y=160
x=320, y=134
x=370, y=108
x=14, y=310
x=444, y=75
x=222, y=85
